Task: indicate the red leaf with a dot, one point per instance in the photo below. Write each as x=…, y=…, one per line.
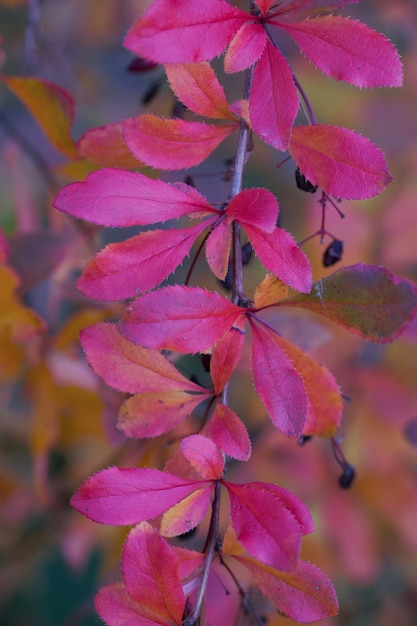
x=254, y=207
x=273, y=102
x=115, y=606
x=304, y=594
x=325, y=404
x=155, y=413
x=245, y=48
x=197, y=86
x=280, y=254
x=225, y=358
x=348, y=50
x=367, y=300
x=173, y=144
x=151, y=575
x=104, y=146
x=263, y=525
x=179, y=318
x=126, y=496
x=340, y=161
x=187, y=514
x=130, y=368
x=122, y=270
x=114, y=197
x=279, y=384
x=229, y=433
x=217, y=249
x=204, y=456
x=179, y=31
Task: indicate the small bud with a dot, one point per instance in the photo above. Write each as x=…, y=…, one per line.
x=303, y=183
x=247, y=252
x=139, y=65
x=346, y=479
x=303, y=439
x=333, y=253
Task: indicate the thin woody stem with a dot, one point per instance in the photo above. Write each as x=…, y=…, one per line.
x=212, y=542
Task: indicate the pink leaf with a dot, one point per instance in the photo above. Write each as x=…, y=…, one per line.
x=367, y=300
x=116, y=608
x=113, y=197
x=152, y=414
x=303, y=595
x=126, y=496
x=265, y=5
x=348, y=50
x=245, y=48
x=254, y=207
x=229, y=433
x=273, y=102
x=225, y=358
x=204, y=456
x=179, y=318
x=279, y=384
x=217, y=249
x=197, y=86
x=263, y=525
x=151, y=575
x=179, y=31
x=124, y=269
x=128, y=367
x=280, y=254
x=173, y=144
x=325, y=404
x=343, y=163
x=187, y=514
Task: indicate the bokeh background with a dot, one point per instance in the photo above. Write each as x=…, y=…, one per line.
x=57, y=421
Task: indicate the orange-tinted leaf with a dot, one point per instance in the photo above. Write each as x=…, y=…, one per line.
x=19, y=321
x=187, y=514
x=172, y=144
x=152, y=414
x=270, y=290
x=325, y=404
x=51, y=106
x=218, y=245
x=104, y=146
x=197, y=86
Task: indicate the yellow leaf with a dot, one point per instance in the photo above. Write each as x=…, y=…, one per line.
x=270, y=290
x=51, y=106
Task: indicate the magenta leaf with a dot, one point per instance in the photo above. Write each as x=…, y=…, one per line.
x=114, y=197
x=273, y=102
x=181, y=31
x=151, y=574
x=126, y=496
x=229, y=433
x=116, y=608
x=280, y=254
x=367, y=300
x=225, y=358
x=264, y=525
x=245, y=48
x=341, y=162
x=124, y=269
x=254, y=207
x=188, y=513
x=279, y=384
x=204, y=456
x=127, y=367
x=179, y=318
x=348, y=50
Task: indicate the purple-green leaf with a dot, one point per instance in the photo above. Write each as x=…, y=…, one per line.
x=367, y=300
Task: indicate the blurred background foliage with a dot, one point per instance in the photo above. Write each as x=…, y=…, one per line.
x=57, y=421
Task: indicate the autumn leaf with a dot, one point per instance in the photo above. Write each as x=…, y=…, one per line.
x=229, y=433
x=341, y=162
x=104, y=146
x=367, y=300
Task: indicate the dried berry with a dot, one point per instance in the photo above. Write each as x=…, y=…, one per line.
x=303, y=183
x=333, y=253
